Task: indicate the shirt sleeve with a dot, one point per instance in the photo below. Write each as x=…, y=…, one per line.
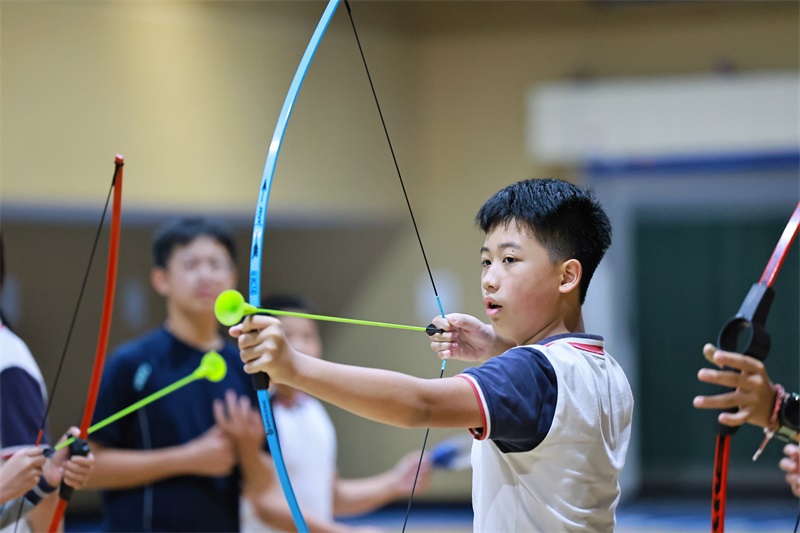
x=22, y=407
x=517, y=392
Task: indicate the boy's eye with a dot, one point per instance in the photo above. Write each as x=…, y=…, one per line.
x=485, y=262
x=509, y=260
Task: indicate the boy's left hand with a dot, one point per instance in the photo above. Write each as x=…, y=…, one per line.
x=73, y=470
x=263, y=347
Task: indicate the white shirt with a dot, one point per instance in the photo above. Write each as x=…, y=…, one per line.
x=308, y=443
x=558, y=422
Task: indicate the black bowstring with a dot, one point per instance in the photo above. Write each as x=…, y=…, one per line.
x=416, y=230
x=71, y=326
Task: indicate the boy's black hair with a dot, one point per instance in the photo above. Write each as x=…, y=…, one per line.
x=182, y=231
x=565, y=220
x=286, y=302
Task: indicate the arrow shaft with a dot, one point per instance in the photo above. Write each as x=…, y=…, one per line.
x=357, y=322
x=133, y=407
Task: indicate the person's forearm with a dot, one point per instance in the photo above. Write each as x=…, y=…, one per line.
x=41, y=515
x=381, y=395
x=359, y=496
x=257, y=471
x=122, y=469
x=272, y=509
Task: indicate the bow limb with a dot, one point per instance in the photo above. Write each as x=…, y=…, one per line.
x=105, y=328
x=261, y=381
x=752, y=317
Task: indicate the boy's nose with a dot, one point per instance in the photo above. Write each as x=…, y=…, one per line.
x=488, y=283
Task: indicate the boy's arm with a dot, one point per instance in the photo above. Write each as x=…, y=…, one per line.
x=42, y=514
x=210, y=454
x=271, y=508
x=381, y=395
x=466, y=338
x=359, y=496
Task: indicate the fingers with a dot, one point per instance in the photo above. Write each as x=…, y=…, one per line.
x=718, y=401
x=442, y=322
x=726, y=378
x=734, y=419
x=77, y=470
x=35, y=456
x=444, y=343
x=743, y=363
x=219, y=414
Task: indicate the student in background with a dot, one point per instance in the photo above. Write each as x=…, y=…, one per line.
x=28, y=480
x=308, y=441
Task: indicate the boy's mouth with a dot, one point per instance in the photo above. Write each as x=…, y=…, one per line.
x=492, y=308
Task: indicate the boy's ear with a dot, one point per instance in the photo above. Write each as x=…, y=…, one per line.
x=158, y=278
x=571, y=272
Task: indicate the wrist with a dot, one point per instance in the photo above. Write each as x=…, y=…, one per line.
x=788, y=417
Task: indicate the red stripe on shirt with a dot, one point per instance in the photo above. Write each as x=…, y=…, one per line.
x=478, y=435
x=587, y=348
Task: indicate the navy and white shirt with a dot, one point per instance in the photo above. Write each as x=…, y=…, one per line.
x=23, y=394
x=23, y=397
x=186, y=503
x=557, y=426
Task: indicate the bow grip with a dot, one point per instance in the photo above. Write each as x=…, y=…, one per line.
x=260, y=381
x=77, y=447
x=750, y=319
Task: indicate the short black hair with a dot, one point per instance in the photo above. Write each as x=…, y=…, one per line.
x=182, y=231
x=286, y=302
x=565, y=220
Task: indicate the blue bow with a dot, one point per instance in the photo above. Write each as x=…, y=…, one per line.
x=261, y=381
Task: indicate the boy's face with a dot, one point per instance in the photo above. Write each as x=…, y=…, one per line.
x=519, y=283
x=195, y=275
x=302, y=335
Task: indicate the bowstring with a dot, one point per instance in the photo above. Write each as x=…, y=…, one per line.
x=416, y=231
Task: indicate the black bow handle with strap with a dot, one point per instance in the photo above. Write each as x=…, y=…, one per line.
x=751, y=318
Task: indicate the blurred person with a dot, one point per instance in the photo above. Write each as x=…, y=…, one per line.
x=181, y=463
x=28, y=480
x=177, y=464
x=28, y=477
x=308, y=439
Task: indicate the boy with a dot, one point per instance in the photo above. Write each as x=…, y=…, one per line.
x=180, y=463
x=28, y=480
x=308, y=440
x=551, y=415
x=170, y=466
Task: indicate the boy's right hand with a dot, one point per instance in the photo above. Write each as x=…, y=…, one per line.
x=211, y=454
x=466, y=338
x=263, y=347
x=21, y=473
